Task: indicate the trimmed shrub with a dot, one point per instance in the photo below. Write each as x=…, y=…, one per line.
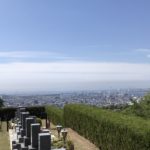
x=107, y=129
x=55, y=114
x=38, y=120
x=7, y=114
x=38, y=111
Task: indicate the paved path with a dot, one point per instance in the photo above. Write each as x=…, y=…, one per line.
x=12, y=137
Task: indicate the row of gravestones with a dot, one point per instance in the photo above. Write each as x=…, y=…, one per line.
x=29, y=134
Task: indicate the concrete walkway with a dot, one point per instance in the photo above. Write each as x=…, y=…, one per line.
x=12, y=136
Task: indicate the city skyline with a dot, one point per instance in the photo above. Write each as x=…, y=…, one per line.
x=74, y=45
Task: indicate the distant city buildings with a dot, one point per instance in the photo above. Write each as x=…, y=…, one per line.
x=96, y=98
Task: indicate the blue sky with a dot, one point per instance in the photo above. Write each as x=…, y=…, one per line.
x=84, y=32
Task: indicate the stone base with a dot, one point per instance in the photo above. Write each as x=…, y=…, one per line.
x=13, y=142
x=21, y=139
x=22, y=132
x=44, y=141
x=26, y=141
x=45, y=131
x=31, y=148
x=17, y=127
x=16, y=146
x=18, y=133
x=23, y=147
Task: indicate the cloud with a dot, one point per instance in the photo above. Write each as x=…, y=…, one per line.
x=13, y=56
x=143, y=50
x=148, y=55
x=56, y=75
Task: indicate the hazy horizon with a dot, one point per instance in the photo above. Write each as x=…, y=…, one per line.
x=74, y=45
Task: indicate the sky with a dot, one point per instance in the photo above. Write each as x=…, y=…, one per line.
x=62, y=45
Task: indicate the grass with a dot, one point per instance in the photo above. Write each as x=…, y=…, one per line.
x=4, y=138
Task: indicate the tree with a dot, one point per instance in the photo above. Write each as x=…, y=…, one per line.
x=1, y=102
x=141, y=109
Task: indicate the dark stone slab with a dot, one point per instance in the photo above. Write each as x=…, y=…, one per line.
x=23, y=132
x=16, y=146
x=44, y=141
x=29, y=121
x=18, y=134
x=26, y=141
x=35, y=130
x=24, y=116
x=13, y=142
x=20, y=139
x=24, y=148
x=20, y=113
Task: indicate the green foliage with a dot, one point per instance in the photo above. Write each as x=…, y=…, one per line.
x=118, y=107
x=141, y=109
x=38, y=120
x=57, y=144
x=55, y=114
x=7, y=114
x=38, y=111
x=107, y=129
x=70, y=145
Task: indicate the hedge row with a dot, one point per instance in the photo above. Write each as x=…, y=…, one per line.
x=38, y=111
x=55, y=114
x=108, y=130
x=9, y=113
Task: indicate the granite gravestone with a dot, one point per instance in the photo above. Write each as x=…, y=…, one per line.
x=35, y=130
x=44, y=141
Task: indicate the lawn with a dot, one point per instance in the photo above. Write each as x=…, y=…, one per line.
x=4, y=138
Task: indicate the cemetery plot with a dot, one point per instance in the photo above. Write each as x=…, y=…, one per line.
x=27, y=134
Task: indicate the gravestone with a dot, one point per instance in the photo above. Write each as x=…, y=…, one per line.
x=29, y=121
x=35, y=130
x=24, y=115
x=20, y=112
x=44, y=141
x=16, y=146
x=27, y=139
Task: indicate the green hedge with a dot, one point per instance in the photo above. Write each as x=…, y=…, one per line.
x=55, y=114
x=7, y=114
x=38, y=111
x=108, y=130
